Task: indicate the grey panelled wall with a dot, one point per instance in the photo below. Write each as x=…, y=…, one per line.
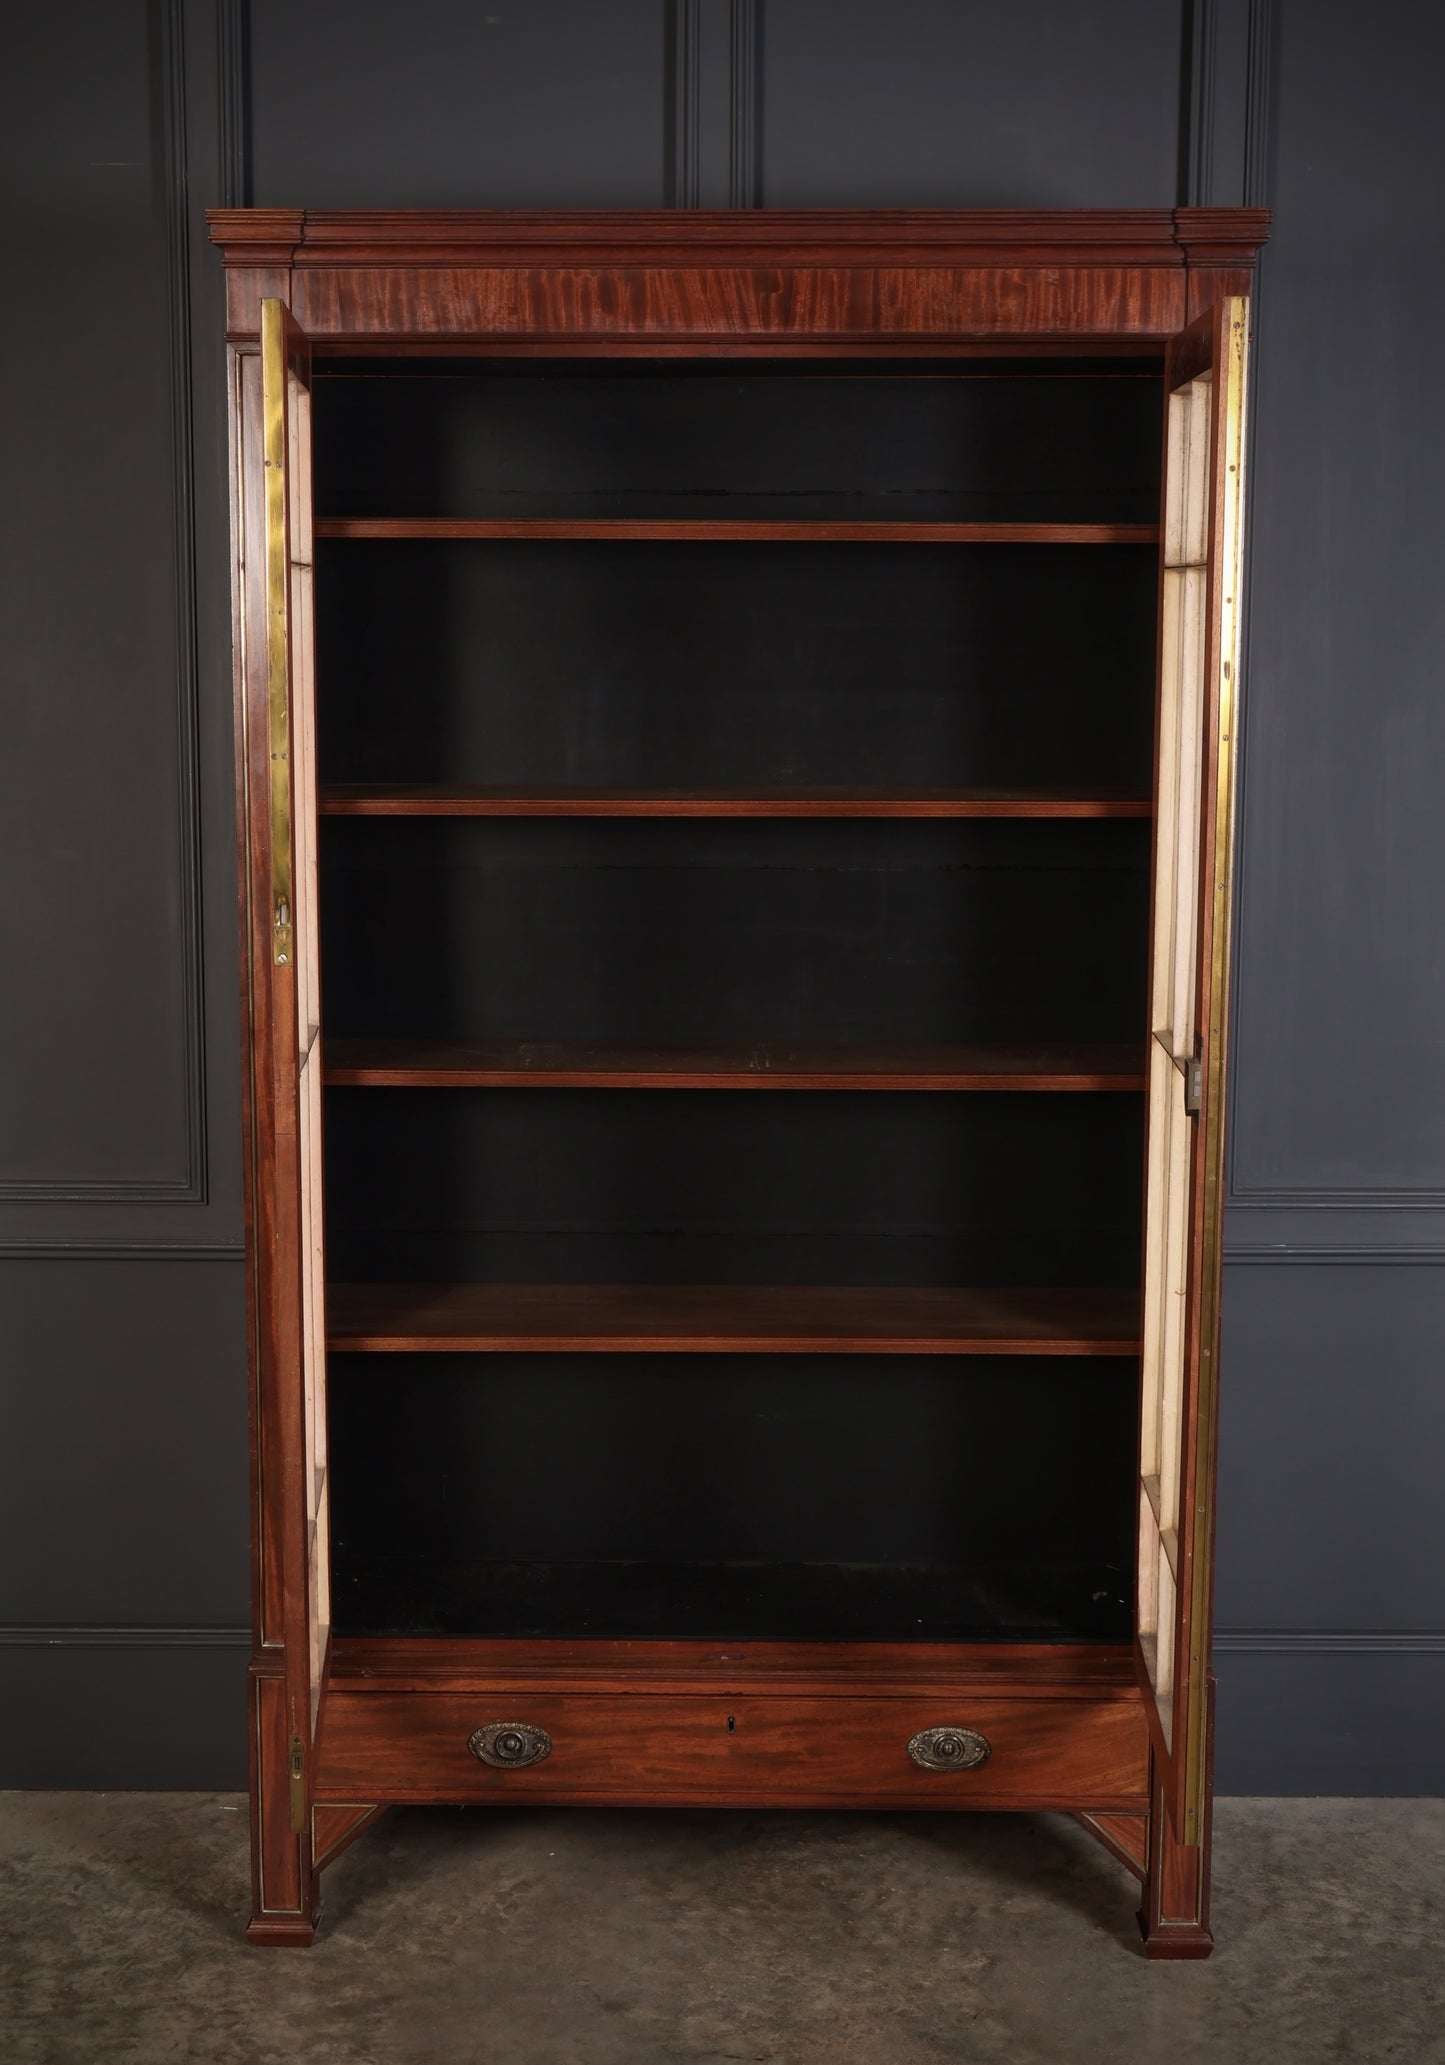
x=123, y=1598
x=122, y=1395
x=1331, y=1588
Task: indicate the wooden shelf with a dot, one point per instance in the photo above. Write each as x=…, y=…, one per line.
x=890, y=1669
x=471, y=799
x=725, y=530
x=832, y=1065
x=729, y=1319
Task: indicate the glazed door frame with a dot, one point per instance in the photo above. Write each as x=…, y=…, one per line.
x=286, y=1276
x=1200, y=598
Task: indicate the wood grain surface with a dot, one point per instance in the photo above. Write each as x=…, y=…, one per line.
x=1032, y=1670
x=822, y=1065
x=729, y=1319
x=734, y=1748
x=481, y=799
x=620, y=530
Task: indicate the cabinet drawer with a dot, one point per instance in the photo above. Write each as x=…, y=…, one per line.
x=746, y=1750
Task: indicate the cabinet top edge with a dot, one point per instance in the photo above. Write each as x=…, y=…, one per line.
x=996, y=236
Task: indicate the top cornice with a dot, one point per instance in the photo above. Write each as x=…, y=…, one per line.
x=923, y=236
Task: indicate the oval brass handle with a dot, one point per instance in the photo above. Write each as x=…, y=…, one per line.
x=949, y=1749
x=509, y=1745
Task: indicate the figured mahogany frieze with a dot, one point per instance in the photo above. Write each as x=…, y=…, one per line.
x=815, y=303
x=744, y=279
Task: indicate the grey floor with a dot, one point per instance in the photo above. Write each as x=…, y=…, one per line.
x=571, y=1938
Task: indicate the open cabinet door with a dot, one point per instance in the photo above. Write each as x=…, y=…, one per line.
x=294, y=1256
x=1189, y=975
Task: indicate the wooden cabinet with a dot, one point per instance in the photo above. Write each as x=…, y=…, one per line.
x=735, y=732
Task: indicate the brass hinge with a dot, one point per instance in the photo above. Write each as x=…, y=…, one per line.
x=1194, y=1085
x=296, y=1772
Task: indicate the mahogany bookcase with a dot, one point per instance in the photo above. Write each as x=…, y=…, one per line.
x=786, y=655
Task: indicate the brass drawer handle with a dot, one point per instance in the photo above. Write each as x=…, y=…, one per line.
x=509, y=1745
x=949, y=1749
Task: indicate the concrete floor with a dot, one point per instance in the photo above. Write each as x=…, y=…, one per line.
x=572, y=1938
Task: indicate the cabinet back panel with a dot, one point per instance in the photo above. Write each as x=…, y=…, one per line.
x=864, y=1496
x=741, y=930
x=697, y=1187
x=718, y=440
x=755, y=664
x=640, y=1495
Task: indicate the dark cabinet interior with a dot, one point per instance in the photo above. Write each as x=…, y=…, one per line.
x=836, y=1495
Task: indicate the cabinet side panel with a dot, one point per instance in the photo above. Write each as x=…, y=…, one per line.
x=283, y=1885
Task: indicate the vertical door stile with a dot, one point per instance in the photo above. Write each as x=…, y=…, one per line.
x=1189, y=972
x=1224, y=602
x=297, y=1302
